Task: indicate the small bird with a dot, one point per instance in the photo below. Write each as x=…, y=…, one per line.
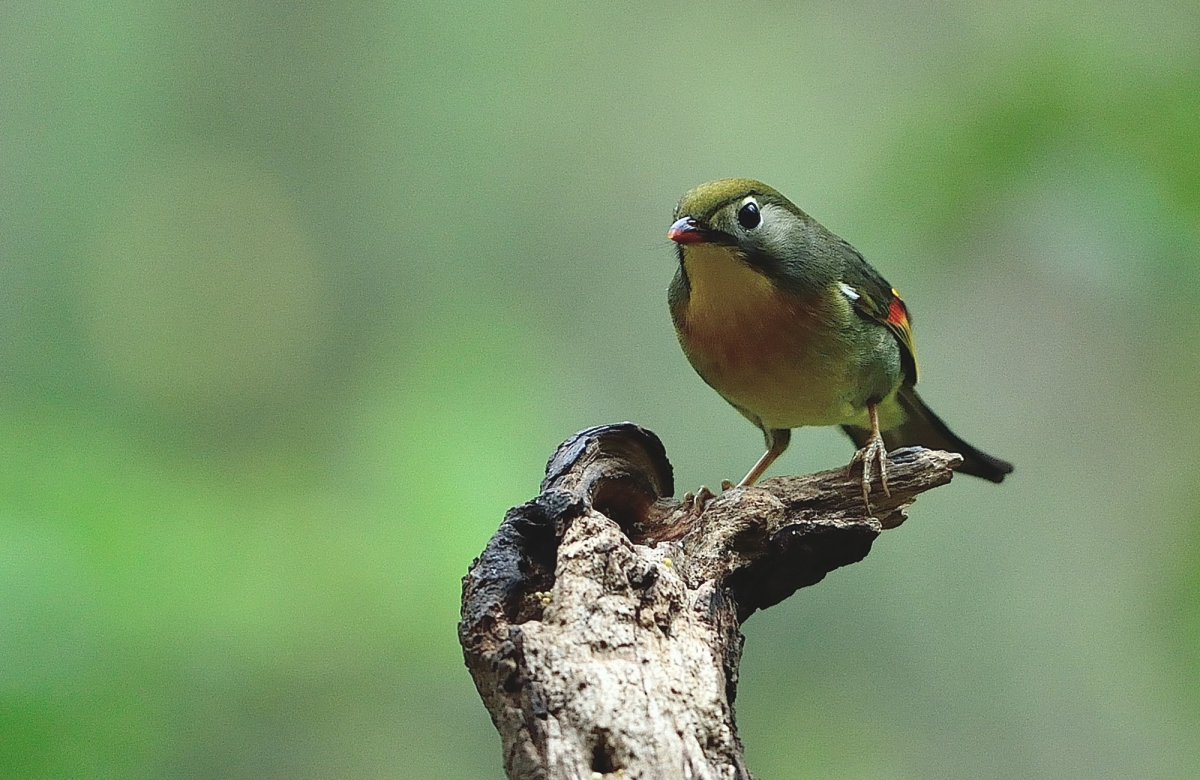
x=793, y=327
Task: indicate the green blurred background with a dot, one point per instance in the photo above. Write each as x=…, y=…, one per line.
x=295, y=303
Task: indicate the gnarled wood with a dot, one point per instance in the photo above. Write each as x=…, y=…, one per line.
x=601, y=622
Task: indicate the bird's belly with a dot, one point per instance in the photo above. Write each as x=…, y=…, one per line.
x=781, y=366
x=782, y=389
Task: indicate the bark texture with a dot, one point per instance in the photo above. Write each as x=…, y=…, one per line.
x=601, y=623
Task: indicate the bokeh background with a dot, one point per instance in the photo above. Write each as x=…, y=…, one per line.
x=294, y=303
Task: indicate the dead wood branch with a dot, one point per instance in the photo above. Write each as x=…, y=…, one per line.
x=601, y=622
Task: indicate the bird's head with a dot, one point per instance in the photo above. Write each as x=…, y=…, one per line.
x=747, y=222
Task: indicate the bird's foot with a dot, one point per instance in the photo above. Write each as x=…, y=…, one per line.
x=696, y=503
x=873, y=452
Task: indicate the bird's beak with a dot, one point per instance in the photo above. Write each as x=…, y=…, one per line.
x=687, y=231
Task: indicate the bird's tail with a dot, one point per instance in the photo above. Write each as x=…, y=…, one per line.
x=923, y=428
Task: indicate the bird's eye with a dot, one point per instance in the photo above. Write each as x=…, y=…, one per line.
x=748, y=216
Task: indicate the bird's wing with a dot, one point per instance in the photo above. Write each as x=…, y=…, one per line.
x=877, y=301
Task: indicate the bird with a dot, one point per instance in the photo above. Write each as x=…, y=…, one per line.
x=794, y=328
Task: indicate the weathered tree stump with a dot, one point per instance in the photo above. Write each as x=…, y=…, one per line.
x=601, y=623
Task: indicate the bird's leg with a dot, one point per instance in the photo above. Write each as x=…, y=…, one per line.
x=777, y=442
x=874, y=450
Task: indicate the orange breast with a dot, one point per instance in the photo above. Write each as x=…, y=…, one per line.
x=774, y=354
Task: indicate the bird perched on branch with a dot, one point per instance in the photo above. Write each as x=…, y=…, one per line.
x=793, y=327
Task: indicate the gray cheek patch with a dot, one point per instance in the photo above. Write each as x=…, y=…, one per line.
x=776, y=223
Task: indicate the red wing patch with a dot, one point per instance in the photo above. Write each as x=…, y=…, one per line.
x=894, y=317
x=898, y=313
x=900, y=324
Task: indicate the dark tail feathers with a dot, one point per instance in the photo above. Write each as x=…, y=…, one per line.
x=924, y=428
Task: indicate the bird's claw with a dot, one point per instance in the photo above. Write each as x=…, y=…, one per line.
x=697, y=502
x=874, y=451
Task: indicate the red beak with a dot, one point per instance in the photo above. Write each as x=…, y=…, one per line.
x=687, y=231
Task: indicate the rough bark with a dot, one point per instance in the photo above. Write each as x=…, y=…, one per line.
x=602, y=621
